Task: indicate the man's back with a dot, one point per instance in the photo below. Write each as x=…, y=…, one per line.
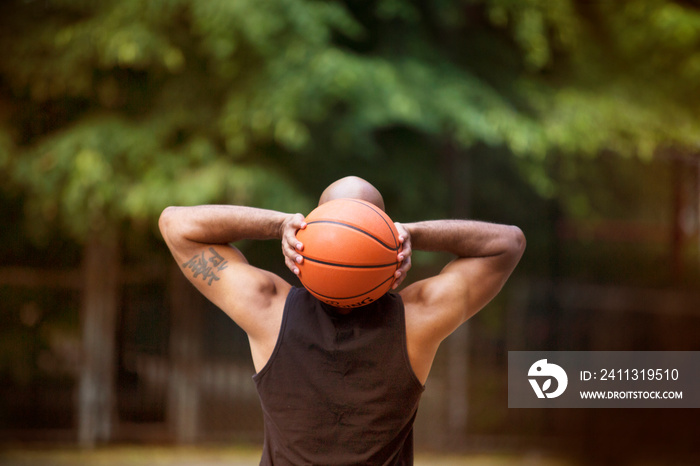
x=339, y=389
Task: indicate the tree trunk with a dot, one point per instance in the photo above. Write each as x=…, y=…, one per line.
x=697, y=199
x=100, y=302
x=183, y=407
x=458, y=174
x=677, y=222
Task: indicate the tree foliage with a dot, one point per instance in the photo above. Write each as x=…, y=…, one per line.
x=112, y=110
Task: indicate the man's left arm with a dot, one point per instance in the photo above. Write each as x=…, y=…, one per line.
x=487, y=254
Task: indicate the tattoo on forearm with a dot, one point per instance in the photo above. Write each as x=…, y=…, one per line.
x=206, y=265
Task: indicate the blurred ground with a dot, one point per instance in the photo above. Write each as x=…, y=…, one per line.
x=217, y=456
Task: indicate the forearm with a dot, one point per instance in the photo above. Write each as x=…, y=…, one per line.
x=220, y=224
x=465, y=238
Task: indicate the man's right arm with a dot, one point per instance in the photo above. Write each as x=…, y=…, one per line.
x=199, y=238
x=187, y=228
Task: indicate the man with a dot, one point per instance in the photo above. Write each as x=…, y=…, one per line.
x=339, y=386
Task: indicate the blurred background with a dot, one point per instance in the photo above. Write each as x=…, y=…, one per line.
x=577, y=120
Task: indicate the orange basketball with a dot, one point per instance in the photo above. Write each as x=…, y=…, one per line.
x=350, y=249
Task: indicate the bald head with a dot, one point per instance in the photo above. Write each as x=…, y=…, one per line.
x=352, y=187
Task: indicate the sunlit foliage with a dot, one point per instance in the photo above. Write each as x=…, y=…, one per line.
x=112, y=110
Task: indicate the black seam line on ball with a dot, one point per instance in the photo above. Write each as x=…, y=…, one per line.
x=372, y=207
x=351, y=266
x=357, y=229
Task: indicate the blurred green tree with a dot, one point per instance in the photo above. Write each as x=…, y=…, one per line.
x=112, y=111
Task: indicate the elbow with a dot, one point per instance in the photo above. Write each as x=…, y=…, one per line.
x=516, y=242
x=168, y=222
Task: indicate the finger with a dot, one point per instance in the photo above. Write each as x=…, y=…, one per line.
x=404, y=254
x=401, y=273
x=291, y=265
x=292, y=234
x=298, y=222
x=291, y=242
x=405, y=251
x=291, y=255
x=399, y=277
x=405, y=266
x=288, y=248
x=292, y=246
x=397, y=280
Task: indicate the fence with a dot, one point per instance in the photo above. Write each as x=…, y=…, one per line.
x=183, y=371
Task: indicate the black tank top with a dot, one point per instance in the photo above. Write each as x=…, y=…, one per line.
x=339, y=389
